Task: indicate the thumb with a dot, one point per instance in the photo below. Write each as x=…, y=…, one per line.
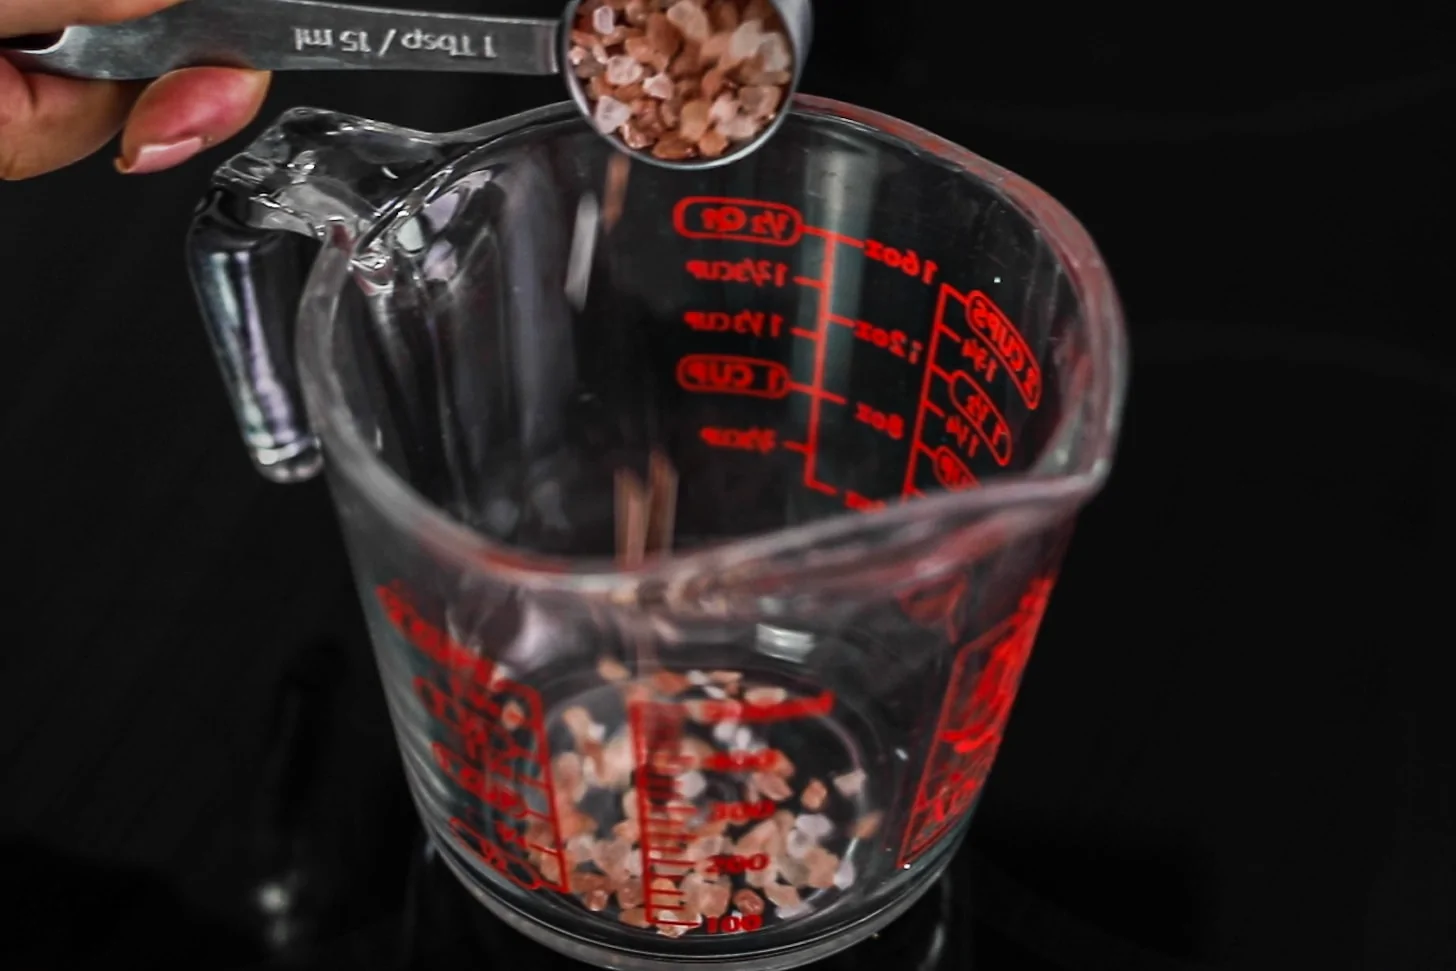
x=186, y=112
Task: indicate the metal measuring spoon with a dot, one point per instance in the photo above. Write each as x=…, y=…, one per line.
x=311, y=35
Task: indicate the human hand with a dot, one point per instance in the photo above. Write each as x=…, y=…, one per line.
x=47, y=123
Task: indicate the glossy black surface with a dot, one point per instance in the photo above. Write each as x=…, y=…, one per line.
x=1234, y=747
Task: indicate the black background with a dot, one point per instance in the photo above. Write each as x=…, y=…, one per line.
x=1235, y=745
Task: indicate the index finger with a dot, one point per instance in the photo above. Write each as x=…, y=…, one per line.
x=21, y=17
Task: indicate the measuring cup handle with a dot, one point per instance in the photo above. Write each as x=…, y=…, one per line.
x=314, y=178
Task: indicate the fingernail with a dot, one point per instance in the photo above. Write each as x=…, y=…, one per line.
x=155, y=158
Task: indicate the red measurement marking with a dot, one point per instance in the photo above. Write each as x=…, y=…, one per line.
x=983, y=362
x=761, y=440
x=659, y=861
x=460, y=711
x=759, y=273
x=833, y=237
x=741, y=220
x=823, y=488
x=487, y=743
x=936, y=329
x=894, y=341
x=748, y=323
x=474, y=695
x=959, y=429
x=739, y=812
x=712, y=712
x=731, y=924
x=853, y=500
x=816, y=405
x=502, y=860
x=906, y=261
x=484, y=715
x=760, y=761
x=985, y=418
x=733, y=864
x=507, y=836
x=950, y=471
x=468, y=777
x=431, y=641
x=817, y=393
x=988, y=321
x=656, y=731
x=973, y=716
x=731, y=374
x=891, y=425
x=667, y=829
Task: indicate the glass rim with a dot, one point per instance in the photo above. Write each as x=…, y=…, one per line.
x=348, y=453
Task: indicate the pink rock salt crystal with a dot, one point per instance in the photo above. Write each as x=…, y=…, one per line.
x=624, y=70
x=690, y=20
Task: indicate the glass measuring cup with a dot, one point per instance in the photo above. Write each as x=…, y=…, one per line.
x=888, y=374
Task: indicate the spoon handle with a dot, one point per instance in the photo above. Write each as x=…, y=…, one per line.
x=294, y=35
